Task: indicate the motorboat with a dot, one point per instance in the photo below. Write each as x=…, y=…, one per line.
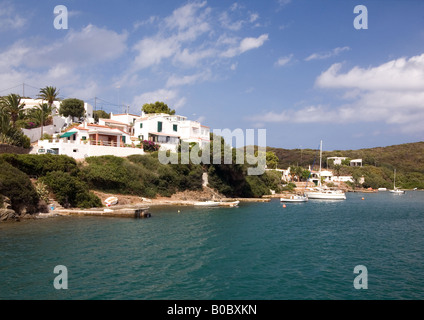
x=295, y=198
x=207, y=203
x=229, y=203
x=111, y=201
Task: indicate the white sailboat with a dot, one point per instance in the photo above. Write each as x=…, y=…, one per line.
x=396, y=190
x=321, y=193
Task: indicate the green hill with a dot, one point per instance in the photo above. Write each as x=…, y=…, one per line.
x=407, y=159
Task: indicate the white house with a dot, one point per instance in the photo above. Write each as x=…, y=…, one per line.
x=127, y=118
x=336, y=160
x=89, y=140
x=59, y=122
x=111, y=123
x=356, y=163
x=168, y=130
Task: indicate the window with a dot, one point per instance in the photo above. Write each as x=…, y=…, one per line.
x=83, y=138
x=141, y=126
x=123, y=139
x=175, y=127
x=159, y=126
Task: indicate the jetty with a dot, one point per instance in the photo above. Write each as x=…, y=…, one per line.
x=118, y=212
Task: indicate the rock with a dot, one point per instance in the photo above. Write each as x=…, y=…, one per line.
x=6, y=203
x=8, y=215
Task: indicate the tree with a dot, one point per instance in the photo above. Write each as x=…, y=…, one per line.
x=306, y=174
x=157, y=107
x=40, y=114
x=49, y=94
x=72, y=107
x=271, y=160
x=101, y=114
x=12, y=106
x=12, y=135
x=337, y=168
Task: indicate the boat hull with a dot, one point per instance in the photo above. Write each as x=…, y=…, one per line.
x=397, y=191
x=295, y=199
x=207, y=204
x=325, y=196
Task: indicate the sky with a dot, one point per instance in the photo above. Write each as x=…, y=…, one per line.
x=297, y=68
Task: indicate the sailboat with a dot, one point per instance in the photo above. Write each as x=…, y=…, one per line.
x=396, y=190
x=324, y=194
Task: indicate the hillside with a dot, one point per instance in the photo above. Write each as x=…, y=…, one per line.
x=403, y=157
x=408, y=159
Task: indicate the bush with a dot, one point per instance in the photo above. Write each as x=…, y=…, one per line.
x=257, y=186
x=46, y=136
x=40, y=165
x=17, y=186
x=117, y=175
x=70, y=191
x=149, y=146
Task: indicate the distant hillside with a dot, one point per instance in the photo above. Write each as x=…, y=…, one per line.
x=407, y=159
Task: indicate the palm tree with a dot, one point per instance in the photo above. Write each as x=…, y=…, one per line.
x=12, y=106
x=41, y=113
x=49, y=94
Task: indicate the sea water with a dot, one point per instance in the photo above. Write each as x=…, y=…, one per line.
x=257, y=251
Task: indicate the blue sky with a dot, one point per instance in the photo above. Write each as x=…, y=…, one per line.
x=297, y=68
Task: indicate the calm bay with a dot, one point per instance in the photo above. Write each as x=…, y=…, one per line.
x=257, y=251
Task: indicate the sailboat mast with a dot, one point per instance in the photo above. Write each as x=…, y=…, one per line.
x=320, y=163
x=394, y=181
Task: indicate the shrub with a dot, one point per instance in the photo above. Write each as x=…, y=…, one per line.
x=70, y=191
x=40, y=165
x=117, y=175
x=46, y=136
x=257, y=186
x=149, y=146
x=17, y=186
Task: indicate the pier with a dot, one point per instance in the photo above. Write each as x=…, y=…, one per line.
x=118, y=212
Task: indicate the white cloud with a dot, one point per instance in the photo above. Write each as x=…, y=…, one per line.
x=175, y=81
x=283, y=3
x=253, y=17
x=91, y=45
x=201, y=119
x=185, y=16
x=391, y=93
x=282, y=61
x=400, y=74
x=246, y=44
x=169, y=96
x=152, y=51
x=66, y=63
x=9, y=18
x=141, y=23
x=328, y=54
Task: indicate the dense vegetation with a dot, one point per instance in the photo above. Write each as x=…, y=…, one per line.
x=378, y=163
x=157, y=107
x=16, y=185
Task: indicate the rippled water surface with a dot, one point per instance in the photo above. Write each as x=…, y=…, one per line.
x=258, y=251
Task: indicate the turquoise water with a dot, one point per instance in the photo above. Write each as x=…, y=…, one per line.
x=259, y=251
